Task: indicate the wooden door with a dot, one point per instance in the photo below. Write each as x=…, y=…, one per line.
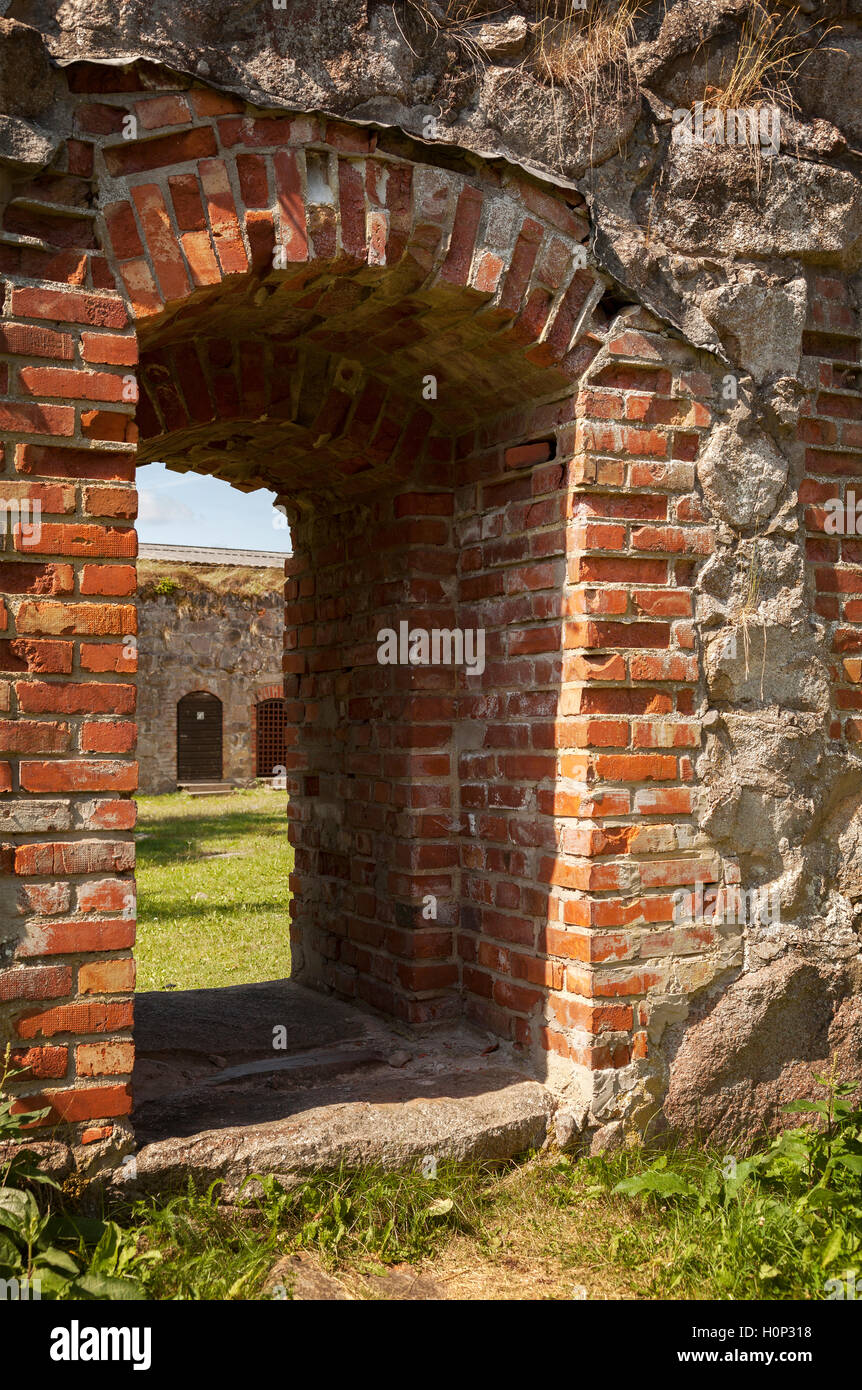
x=199, y=738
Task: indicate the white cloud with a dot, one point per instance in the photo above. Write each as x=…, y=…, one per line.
x=163, y=511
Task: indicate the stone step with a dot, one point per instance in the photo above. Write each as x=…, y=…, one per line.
x=206, y=788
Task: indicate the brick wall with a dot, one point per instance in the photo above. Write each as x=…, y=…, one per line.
x=467, y=431
x=579, y=556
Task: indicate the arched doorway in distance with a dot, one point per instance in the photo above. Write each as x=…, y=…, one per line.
x=199, y=737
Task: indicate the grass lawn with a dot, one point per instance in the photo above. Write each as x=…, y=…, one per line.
x=212, y=889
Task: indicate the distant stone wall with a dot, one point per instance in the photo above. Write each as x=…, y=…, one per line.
x=229, y=644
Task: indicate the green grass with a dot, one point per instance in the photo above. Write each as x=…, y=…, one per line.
x=205, y=920
x=364, y=1219
x=784, y=1224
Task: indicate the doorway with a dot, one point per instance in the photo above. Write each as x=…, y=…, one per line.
x=199, y=738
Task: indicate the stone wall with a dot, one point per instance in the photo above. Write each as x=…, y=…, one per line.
x=227, y=643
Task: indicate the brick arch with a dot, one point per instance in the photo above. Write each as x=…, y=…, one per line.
x=530, y=502
x=268, y=692
x=263, y=257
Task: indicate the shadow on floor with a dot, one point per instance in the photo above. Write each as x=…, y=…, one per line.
x=248, y=1055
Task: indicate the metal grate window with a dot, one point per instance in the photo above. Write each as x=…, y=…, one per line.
x=271, y=722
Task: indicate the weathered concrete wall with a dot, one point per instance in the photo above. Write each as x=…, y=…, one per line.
x=227, y=644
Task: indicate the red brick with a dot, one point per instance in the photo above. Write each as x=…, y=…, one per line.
x=19, y=577
x=253, y=180
x=291, y=206
x=74, y=463
x=96, y=1134
x=41, y=1061
x=104, y=1058
x=201, y=258
x=108, y=656
x=223, y=217
x=188, y=204
x=80, y=154
x=108, y=737
x=161, y=242
x=64, y=858
x=109, y=425
x=522, y=455
x=81, y=1017
x=97, y=311
x=107, y=977
x=71, y=385
x=207, y=102
x=100, y=118
x=118, y=580
x=78, y=776
x=468, y=210
x=159, y=111
x=82, y=1103
x=35, y=982
x=107, y=895
x=135, y=158
x=33, y=736
x=37, y=419
x=69, y=938
x=101, y=619
x=123, y=231
x=31, y=340
x=76, y=538
x=109, y=814
x=141, y=288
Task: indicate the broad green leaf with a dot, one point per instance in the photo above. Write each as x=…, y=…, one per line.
x=103, y=1286
x=59, y=1260
x=18, y=1210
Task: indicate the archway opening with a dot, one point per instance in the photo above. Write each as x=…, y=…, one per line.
x=392, y=350
x=391, y=347
x=199, y=718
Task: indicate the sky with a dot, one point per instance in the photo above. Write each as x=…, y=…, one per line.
x=194, y=509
